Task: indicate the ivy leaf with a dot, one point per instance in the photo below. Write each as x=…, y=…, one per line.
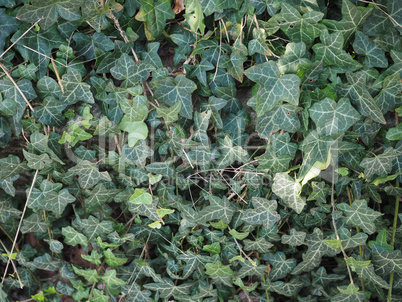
x=88, y=174
x=194, y=16
x=49, y=112
x=217, y=269
x=137, y=130
x=360, y=214
x=137, y=154
x=168, y=289
x=280, y=117
x=333, y=117
x=74, y=89
x=395, y=134
x=281, y=266
x=274, y=162
x=174, y=90
x=89, y=46
x=230, y=153
x=294, y=58
x=50, y=197
x=7, y=185
x=357, y=92
x=34, y=223
x=199, y=70
x=352, y=18
x=50, y=11
x=260, y=245
x=289, y=191
x=374, y=55
x=169, y=114
x=73, y=237
x=36, y=162
x=147, y=210
x=331, y=52
x=368, y=275
x=48, y=87
x=288, y=289
x=91, y=275
x=258, y=44
x=47, y=263
x=380, y=165
x=315, y=149
x=263, y=213
x=297, y=27
x=92, y=228
x=274, y=87
x=390, y=97
x=111, y=279
x=8, y=25
x=154, y=16
x=10, y=166
x=294, y=239
x=386, y=262
x=132, y=73
x=99, y=196
x=219, y=209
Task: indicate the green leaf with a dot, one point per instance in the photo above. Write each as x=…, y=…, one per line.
x=336, y=244
x=258, y=44
x=357, y=92
x=138, y=154
x=351, y=290
x=50, y=197
x=289, y=191
x=390, y=97
x=230, y=153
x=163, y=212
x=50, y=112
x=275, y=163
x=92, y=228
x=129, y=72
x=154, y=16
x=112, y=260
x=214, y=248
x=169, y=114
x=110, y=278
x=288, y=289
x=281, y=266
x=90, y=275
x=217, y=269
x=199, y=70
x=360, y=214
x=219, y=209
x=294, y=58
x=37, y=162
x=368, y=275
x=50, y=11
x=260, y=245
x=89, y=174
x=282, y=117
x=315, y=149
x=73, y=237
x=331, y=52
x=353, y=263
x=352, y=17
x=168, y=289
x=9, y=24
x=34, y=223
x=263, y=213
x=333, y=117
x=194, y=16
x=386, y=262
x=381, y=240
x=374, y=55
x=294, y=239
x=274, y=88
x=94, y=258
x=395, y=134
x=379, y=165
x=297, y=27
x=74, y=89
x=237, y=235
x=99, y=196
x=140, y=196
x=176, y=90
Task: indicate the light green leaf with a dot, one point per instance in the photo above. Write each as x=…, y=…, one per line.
x=140, y=196
x=351, y=290
x=110, y=278
x=336, y=244
x=353, y=263
x=169, y=114
x=289, y=191
x=94, y=258
x=274, y=87
x=194, y=16
x=90, y=275
x=360, y=214
x=395, y=134
x=73, y=237
x=294, y=58
x=112, y=260
x=238, y=235
x=217, y=269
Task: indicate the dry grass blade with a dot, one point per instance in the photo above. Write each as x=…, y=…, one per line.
x=20, y=37
x=19, y=226
x=16, y=86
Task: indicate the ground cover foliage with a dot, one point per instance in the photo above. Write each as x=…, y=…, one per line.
x=205, y=150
